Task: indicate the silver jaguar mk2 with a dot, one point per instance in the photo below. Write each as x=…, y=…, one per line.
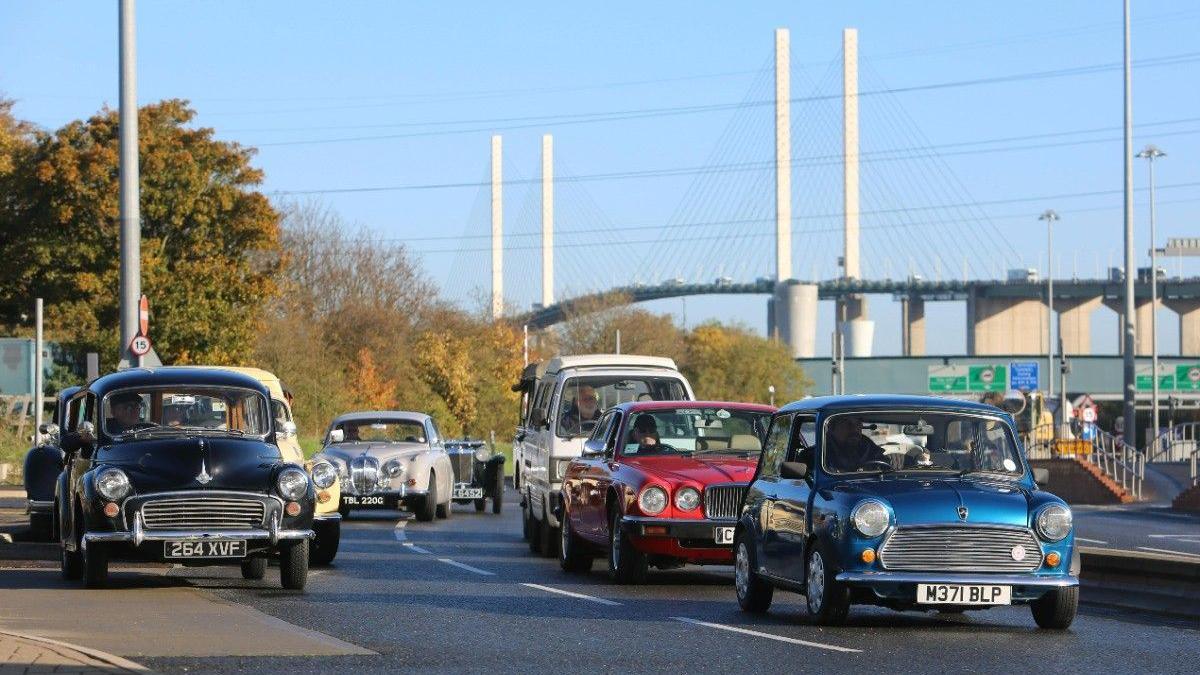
x=390, y=460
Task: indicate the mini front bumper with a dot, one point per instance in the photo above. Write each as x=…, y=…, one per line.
x=902, y=586
x=138, y=534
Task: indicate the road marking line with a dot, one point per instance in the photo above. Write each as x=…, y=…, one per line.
x=1174, y=536
x=1165, y=550
x=398, y=531
x=570, y=594
x=414, y=547
x=466, y=567
x=769, y=636
x=1091, y=541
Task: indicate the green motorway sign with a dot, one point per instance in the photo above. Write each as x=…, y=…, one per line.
x=964, y=379
x=988, y=378
x=947, y=379
x=1187, y=378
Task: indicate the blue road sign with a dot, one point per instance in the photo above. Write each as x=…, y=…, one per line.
x=1023, y=375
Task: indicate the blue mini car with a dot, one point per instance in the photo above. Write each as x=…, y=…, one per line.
x=906, y=502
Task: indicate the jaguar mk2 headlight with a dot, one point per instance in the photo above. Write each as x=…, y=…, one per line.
x=870, y=518
x=1054, y=522
x=653, y=500
x=394, y=468
x=323, y=474
x=687, y=498
x=112, y=484
x=292, y=483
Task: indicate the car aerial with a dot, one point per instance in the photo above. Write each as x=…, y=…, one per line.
x=565, y=398
x=179, y=465
x=954, y=522
x=478, y=474
x=660, y=483
x=390, y=460
x=43, y=463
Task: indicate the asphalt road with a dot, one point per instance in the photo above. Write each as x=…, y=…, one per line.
x=466, y=595
x=1139, y=528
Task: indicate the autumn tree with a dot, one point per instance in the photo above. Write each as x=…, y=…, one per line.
x=210, y=240
x=591, y=327
x=731, y=363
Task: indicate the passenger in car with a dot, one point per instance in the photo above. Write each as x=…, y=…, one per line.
x=849, y=449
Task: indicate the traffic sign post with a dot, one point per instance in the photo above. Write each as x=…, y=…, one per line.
x=1024, y=375
x=140, y=346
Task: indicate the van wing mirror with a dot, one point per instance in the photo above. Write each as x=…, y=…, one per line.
x=793, y=470
x=1041, y=476
x=337, y=436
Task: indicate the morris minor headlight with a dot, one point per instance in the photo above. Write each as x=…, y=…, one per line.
x=870, y=518
x=393, y=468
x=1054, y=522
x=323, y=474
x=292, y=483
x=112, y=484
x=687, y=498
x=653, y=500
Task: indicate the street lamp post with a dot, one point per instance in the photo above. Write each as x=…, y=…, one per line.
x=1151, y=153
x=1049, y=215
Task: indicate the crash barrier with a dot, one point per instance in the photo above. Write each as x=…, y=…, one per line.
x=1177, y=444
x=1138, y=580
x=1124, y=465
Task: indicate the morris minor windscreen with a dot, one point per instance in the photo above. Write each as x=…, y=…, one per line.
x=137, y=412
x=886, y=442
x=695, y=431
x=382, y=431
x=584, y=398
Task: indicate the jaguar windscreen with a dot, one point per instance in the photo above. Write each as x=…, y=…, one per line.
x=382, y=431
x=216, y=410
x=919, y=441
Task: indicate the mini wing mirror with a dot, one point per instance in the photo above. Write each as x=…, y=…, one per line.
x=50, y=432
x=793, y=470
x=287, y=429
x=1041, y=477
x=538, y=417
x=337, y=436
x=593, y=448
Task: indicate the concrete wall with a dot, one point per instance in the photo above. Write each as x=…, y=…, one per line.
x=1006, y=326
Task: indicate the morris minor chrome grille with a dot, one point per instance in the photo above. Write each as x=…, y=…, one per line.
x=961, y=549
x=203, y=513
x=721, y=502
x=364, y=474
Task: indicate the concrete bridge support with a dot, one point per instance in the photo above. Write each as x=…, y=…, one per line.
x=912, y=325
x=1141, y=325
x=795, y=317
x=1005, y=326
x=1189, y=325
x=1075, y=324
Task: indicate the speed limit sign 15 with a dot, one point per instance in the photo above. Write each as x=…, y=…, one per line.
x=139, y=345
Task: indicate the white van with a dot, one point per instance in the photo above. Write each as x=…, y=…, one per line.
x=563, y=399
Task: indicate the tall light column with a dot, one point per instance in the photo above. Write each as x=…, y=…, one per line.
x=547, y=220
x=131, y=233
x=783, y=156
x=850, y=151
x=1129, y=338
x=497, y=230
x=1151, y=153
x=1049, y=216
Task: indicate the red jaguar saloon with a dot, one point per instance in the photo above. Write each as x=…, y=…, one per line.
x=660, y=484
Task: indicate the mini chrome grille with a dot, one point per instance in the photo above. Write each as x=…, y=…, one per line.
x=200, y=513
x=364, y=474
x=961, y=549
x=721, y=502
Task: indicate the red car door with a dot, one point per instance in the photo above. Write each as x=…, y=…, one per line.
x=599, y=477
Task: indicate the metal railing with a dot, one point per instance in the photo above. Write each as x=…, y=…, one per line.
x=1196, y=467
x=1177, y=444
x=1125, y=465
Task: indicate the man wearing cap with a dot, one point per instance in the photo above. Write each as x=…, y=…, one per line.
x=126, y=408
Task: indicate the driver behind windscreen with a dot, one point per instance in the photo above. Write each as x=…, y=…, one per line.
x=585, y=408
x=126, y=409
x=644, y=434
x=848, y=449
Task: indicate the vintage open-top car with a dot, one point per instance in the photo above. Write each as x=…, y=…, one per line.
x=388, y=460
x=179, y=465
x=660, y=483
x=906, y=502
x=478, y=474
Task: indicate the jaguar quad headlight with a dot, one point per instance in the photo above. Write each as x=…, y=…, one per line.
x=687, y=498
x=870, y=518
x=653, y=500
x=323, y=474
x=394, y=468
x=1054, y=522
x=292, y=483
x=112, y=484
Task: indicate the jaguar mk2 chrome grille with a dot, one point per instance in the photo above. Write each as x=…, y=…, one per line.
x=961, y=549
x=721, y=502
x=364, y=474
x=200, y=513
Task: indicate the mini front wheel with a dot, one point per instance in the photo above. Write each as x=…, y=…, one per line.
x=828, y=600
x=754, y=593
x=1056, y=609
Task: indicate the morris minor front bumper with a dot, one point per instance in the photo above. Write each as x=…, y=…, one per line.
x=139, y=534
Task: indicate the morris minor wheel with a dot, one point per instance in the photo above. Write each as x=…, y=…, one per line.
x=95, y=565
x=480, y=505
x=828, y=601
x=325, y=546
x=1056, y=610
x=754, y=593
x=293, y=564
x=626, y=564
x=429, y=505
x=254, y=568
x=572, y=556
x=71, y=561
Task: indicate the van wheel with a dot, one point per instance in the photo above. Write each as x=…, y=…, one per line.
x=753, y=592
x=293, y=564
x=254, y=568
x=626, y=564
x=549, y=536
x=1056, y=609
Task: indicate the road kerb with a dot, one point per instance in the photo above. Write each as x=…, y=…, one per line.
x=90, y=658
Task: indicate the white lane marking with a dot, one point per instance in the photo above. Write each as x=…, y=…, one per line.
x=1166, y=550
x=769, y=636
x=466, y=567
x=414, y=547
x=1091, y=541
x=570, y=594
x=1181, y=537
x=398, y=531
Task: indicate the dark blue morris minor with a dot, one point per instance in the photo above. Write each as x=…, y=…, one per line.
x=912, y=503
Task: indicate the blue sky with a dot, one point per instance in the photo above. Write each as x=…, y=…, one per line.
x=281, y=75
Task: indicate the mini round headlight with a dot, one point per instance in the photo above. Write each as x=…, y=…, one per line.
x=393, y=468
x=1054, y=522
x=482, y=453
x=323, y=474
x=870, y=518
x=653, y=500
x=112, y=484
x=292, y=483
x=687, y=498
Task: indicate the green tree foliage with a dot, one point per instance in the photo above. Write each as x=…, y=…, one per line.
x=210, y=241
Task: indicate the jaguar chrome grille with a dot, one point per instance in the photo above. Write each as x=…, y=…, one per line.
x=364, y=474
x=721, y=502
x=200, y=513
x=961, y=549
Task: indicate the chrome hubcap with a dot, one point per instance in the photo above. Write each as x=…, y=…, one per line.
x=614, y=548
x=741, y=570
x=815, y=589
